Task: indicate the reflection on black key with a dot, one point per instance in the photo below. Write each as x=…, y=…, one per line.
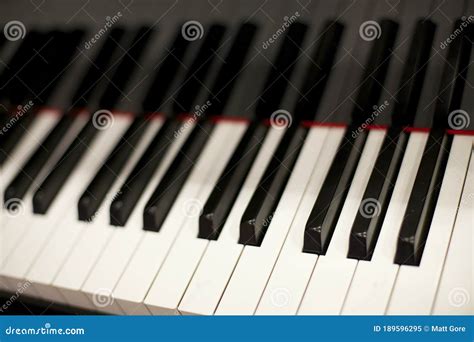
x=373, y=207
x=323, y=218
x=199, y=69
x=127, y=197
x=423, y=198
x=367, y=225
x=105, y=177
x=224, y=194
x=259, y=212
x=162, y=199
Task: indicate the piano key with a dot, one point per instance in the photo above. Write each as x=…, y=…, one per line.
x=454, y=293
x=108, y=173
x=159, y=281
x=199, y=69
x=221, y=256
x=115, y=258
x=373, y=280
x=256, y=263
x=410, y=280
x=51, y=257
x=286, y=285
x=99, y=235
x=42, y=227
x=333, y=272
x=222, y=198
x=260, y=210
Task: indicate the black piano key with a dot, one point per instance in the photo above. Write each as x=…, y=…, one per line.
x=224, y=194
x=259, y=212
x=167, y=71
x=162, y=199
x=129, y=61
x=30, y=170
x=423, y=198
x=128, y=195
x=413, y=77
x=97, y=189
x=367, y=224
x=325, y=213
x=97, y=69
x=51, y=186
x=199, y=69
x=277, y=80
x=373, y=207
x=318, y=71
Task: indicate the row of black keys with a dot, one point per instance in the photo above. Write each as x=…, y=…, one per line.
x=329, y=203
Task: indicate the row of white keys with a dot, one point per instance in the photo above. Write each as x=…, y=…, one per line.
x=100, y=237
x=455, y=293
x=211, y=276
x=59, y=246
x=333, y=272
x=415, y=287
x=255, y=265
x=293, y=269
x=42, y=227
x=174, y=270
x=373, y=280
x=121, y=251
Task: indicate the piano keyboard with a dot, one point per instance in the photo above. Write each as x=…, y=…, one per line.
x=318, y=160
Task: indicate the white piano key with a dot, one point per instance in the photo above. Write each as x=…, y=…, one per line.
x=251, y=274
x=99, y=233
x=415, y=287
x=455, y=294
x=176, y=271
x=293, y=269
x=42, y=227
x=49, y=261
x=373, y=280
x=333, y=273
x=221, y=256
x=114, y=260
